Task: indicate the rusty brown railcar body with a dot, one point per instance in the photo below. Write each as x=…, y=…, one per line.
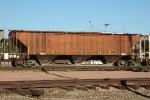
x=78, y=45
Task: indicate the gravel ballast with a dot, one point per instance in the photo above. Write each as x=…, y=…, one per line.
x=76, y=94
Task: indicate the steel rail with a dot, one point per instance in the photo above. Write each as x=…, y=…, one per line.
x=72, y=82
x=76, y=68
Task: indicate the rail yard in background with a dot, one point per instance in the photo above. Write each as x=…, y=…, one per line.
x=74, y=50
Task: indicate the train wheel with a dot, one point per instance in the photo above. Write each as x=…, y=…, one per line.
x=14, y=63
x=148, y=63
x=122, y=63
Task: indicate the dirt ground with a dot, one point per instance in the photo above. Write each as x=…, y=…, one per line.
x=60, y=75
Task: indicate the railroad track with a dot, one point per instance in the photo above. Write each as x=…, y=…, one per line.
x=79, y=68
x=70, y=82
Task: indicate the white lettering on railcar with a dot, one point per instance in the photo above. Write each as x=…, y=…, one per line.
x=123, y=53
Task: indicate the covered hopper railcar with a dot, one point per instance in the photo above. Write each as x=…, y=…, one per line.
x=56, y=47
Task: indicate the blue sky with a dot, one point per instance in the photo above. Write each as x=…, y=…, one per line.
x=74, y=15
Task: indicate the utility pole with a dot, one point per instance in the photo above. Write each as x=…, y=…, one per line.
x=91, y=26
x=124, y=27
x=106, y=25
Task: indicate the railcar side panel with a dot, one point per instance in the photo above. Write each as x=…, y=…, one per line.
x=62, y=43
x=88, y=44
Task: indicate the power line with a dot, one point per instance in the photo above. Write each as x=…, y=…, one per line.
x=131, y=22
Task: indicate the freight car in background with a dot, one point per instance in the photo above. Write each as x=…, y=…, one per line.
x=55, y=47
x=2, y=48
